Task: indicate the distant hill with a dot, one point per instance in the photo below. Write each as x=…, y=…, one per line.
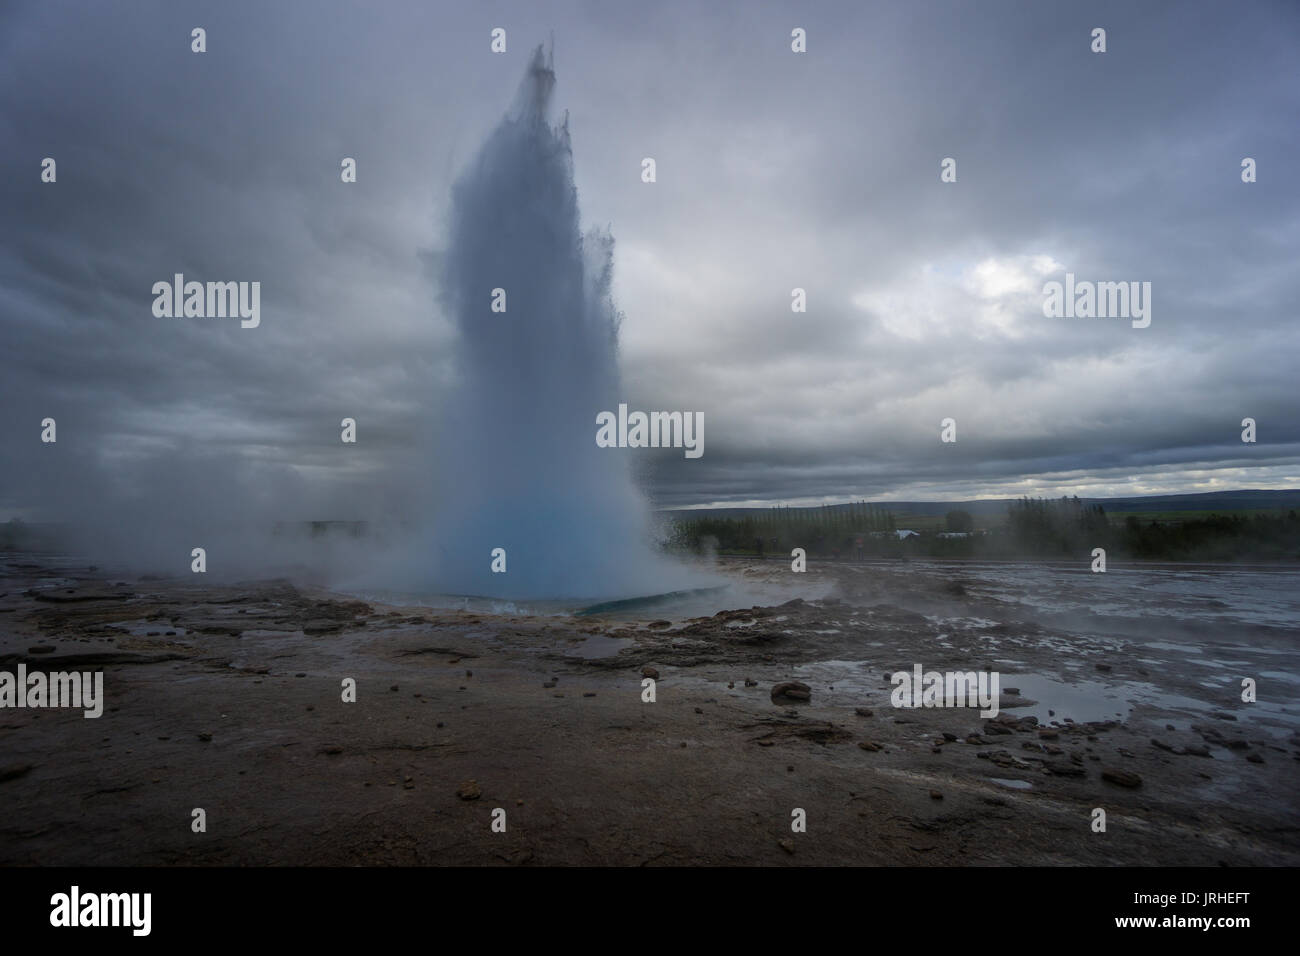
x=1220, y=501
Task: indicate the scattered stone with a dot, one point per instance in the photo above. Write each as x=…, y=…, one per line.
x=394, y=687
x=1221, y=715
x=469, y=790
x=650, y=672
x=1254, y=757
x=590, y=693
x=300, y=674
x=868, y=745
x=13, y=771
x=791, y=690
x=750, y=682
x=765, y=743
x=787, y=844
x=205, y=737
x=548, y=683
x=699, y=710
x=334, y=750
x=658, y=625
x=1103, y=667
x=731, y=684
x=1162, y=745
x=469, y=673
x=1121, y=778
x=951, y=738
x=1065, y=770
x=863, y=711
x=1197, y=750
x=936, y=795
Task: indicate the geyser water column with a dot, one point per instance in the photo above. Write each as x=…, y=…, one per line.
x=519, y=468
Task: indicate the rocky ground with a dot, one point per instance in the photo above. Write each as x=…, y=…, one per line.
x=229, y=699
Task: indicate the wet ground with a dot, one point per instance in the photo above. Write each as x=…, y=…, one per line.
x=1120, y=692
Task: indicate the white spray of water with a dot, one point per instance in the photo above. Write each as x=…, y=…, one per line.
x=521, y=470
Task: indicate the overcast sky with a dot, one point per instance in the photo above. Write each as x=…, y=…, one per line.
x=775, y=170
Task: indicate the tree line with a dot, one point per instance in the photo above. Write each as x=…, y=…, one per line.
x=1031, y=527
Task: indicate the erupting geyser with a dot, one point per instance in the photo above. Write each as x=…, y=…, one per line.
x=525, y=473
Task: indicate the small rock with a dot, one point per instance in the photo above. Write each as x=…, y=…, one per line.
x=13, y=771
x=333, y=750
x=1121, y=778
x=791, y=690
x=750, y=682
x=650, y=672
x=205, y=737
x=1103, y=667
x=868, y=745
x=469, y=790
x=787, y=844
x=590, y=693
x=1254, y=757
x=862, y=711
x=936, y=795
x=699, y=710
x=951, y=738
x=548, y=683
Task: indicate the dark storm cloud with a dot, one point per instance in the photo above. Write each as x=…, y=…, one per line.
x=775, y=171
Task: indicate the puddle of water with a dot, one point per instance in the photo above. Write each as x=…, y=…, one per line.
x=1081, y=701
x=599, y=645
x=142, y=628
x=1166, y=646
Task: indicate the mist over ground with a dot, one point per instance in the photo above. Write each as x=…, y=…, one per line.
x=818, y=171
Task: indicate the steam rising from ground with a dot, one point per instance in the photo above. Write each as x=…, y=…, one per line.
x=522, y=470
x=508, y=459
